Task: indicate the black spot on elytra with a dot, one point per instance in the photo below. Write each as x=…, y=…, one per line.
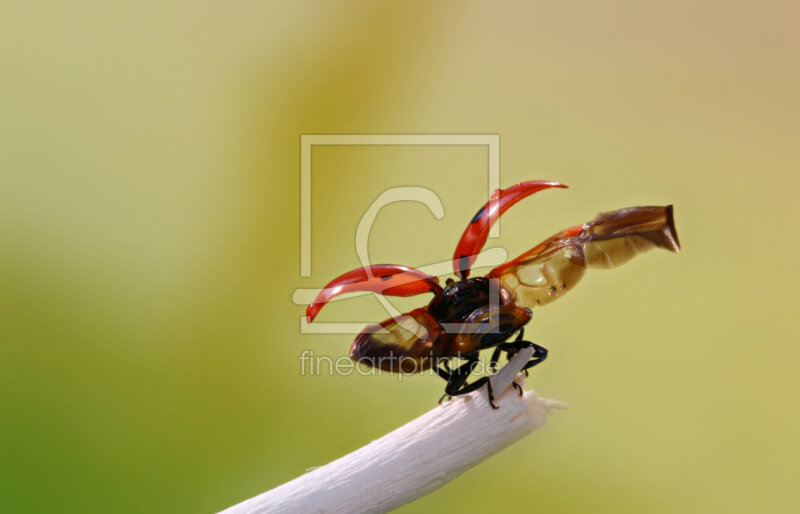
x=478, y=215
x=386, y=277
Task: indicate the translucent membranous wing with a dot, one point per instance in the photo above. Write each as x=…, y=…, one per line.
x=553, y=267
x=407, y=343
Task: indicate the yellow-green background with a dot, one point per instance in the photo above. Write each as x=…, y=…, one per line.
x=149, y=154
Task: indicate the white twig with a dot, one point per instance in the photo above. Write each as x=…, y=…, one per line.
x=418, y=457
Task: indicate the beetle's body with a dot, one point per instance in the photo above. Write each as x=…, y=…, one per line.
x=473, y=314
x=458, y=322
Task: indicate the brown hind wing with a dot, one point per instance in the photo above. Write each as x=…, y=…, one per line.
x=554, y=266
x=409, y=343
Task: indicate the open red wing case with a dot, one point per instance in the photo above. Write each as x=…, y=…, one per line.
x=553, y=267
x=386, y=279
x=476, y=233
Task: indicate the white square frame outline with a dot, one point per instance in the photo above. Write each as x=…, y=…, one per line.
x=307, y=141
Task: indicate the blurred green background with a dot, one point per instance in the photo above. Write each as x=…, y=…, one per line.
x=149, y=243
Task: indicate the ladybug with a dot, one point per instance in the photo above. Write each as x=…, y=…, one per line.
x=473, y=314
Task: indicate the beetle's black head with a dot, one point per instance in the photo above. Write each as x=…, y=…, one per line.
x=460, y=299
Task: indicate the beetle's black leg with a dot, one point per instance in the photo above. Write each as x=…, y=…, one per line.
x=456, y=378
x=459, y=376
x=469, y=387
x=491, y=394
x=445, y=374
x=476, y=385
x=456, y=385
x=511, y=349
x=517, y=340
x=494, y=359
x=517, y=387
x=539, y=354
